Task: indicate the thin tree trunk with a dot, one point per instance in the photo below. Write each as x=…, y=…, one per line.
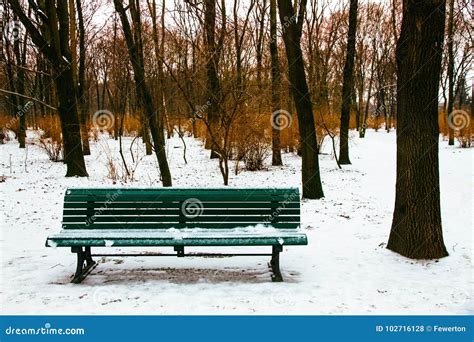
x=136, y=57
x=348, y=85
x=312, y=187
x=450, y=47
x=416, y=227
x=276, y=84
x=369, y=95
x=81, y=94
x=213, y=85
x=20, y=78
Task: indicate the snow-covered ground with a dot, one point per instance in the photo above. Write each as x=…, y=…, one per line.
x=345, y=269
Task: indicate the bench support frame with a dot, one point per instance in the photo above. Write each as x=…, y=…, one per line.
x=275, y=263
x=85, y=264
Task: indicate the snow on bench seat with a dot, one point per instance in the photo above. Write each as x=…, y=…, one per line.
x=254, y=236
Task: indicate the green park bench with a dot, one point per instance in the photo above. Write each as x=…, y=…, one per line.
x=177, y=217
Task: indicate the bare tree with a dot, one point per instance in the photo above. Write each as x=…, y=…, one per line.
x=276, y=85
x=213, y=52
x=348, y=85
x=292, y=23
x=57, y=50
x=450, y=53
x=134, y=44
x=81, y=94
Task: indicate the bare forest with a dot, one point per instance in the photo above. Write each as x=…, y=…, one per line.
x=255, y=83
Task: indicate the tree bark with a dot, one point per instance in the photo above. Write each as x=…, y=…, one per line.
x=348, y=85
x=449, y=43
x=213, y=85
x=416, y=228
x=81, y=94
x=276, y=84
x=292, y=27
x=20, y=56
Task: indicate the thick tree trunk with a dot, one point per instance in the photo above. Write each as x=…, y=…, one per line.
x=276, y=84
x=312, y=187
x=57, y=50
x=348, y=85
x=70, y=126
x=416, y=228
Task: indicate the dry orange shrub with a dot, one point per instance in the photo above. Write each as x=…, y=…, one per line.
x=50, y=139
x=131, y=124
x=443, y=123
x=9, y=123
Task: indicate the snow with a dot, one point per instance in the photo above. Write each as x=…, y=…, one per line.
x=345, y=269
x=175, y=233
x=109, y=243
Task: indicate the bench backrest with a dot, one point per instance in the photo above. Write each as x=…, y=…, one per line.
x=163, y=208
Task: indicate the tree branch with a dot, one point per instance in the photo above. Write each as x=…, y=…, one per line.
x=28, y=97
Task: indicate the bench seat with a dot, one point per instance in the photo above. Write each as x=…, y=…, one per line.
x=175, y=237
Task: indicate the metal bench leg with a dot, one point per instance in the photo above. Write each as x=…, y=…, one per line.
x=85, y=264
x=275, y=263
x=88, y=256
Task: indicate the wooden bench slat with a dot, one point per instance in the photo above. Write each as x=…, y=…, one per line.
x=174, y=197
x=155, y=211
x=176, y=238
x=261, y=241
x=286, y=225
x=177, y=219
x=143, y=233
x=185, y=191
x=177, y=205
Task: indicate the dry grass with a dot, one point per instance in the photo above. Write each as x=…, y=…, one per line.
x=50, y=139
